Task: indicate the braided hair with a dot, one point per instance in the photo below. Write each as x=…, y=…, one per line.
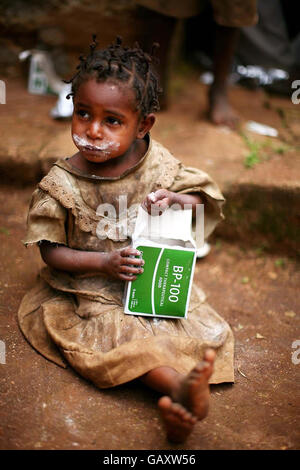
x=131, y=66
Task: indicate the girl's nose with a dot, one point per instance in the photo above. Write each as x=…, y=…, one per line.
x=94, y=131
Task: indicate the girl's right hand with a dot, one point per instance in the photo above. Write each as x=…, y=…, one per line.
x=119, y=265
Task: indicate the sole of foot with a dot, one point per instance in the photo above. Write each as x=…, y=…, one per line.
x=190, y=403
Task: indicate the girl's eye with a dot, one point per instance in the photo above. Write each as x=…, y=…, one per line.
x=113, y=121
x=83, y=114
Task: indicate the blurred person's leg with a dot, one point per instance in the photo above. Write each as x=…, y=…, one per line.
x=161, y=30
x=162, y=18
x=220, y=110
x=230, y=16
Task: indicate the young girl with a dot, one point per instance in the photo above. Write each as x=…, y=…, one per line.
x=75, y=311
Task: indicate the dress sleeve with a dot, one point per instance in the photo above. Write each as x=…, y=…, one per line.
x=193, y=180
x=46, y=219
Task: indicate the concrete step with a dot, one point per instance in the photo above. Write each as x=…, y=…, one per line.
x=258, y=175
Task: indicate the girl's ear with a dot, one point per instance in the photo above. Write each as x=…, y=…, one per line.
x=145, y=125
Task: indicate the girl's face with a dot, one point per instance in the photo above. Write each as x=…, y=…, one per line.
x=105, y=123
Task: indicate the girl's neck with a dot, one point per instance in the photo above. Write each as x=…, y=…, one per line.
x=114, y=167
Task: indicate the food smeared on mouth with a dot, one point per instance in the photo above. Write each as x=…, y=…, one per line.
x=106, y=146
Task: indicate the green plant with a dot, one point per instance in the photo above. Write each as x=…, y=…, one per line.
x=253, y=157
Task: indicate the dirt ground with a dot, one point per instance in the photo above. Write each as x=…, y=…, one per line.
x=256, y=290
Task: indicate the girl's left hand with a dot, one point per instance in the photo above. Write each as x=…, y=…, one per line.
x=156, y=203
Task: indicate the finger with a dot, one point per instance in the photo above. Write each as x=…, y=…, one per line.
x=151, y=197
x=149, y=201
x=144, y=206
x=125, y=277
x=158, y=208
x=135, y=261
x=129, y=251
x=146, y=202
x=160, y=194
x=163, y=203
x=131, y=269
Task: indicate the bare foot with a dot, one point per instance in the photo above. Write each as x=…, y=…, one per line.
x=193, y=393
x=178, y=421
x=189, y=402
x=220, y=111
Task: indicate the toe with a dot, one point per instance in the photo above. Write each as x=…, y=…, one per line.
x=178, y=409
x=199, y=367
x=185, y=417
x=190, y=418
x=210, y=355
x=197, y=370
x=165, y=403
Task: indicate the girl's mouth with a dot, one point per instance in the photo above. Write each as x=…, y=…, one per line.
x=92, y=148
x=105, y=146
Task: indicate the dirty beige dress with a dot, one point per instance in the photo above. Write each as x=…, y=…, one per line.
x=80, y=318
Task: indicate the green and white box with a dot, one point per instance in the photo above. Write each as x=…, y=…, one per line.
x=169, y=252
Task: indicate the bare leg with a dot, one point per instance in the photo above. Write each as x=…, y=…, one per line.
x=220, y=111
x=161, y=29
x=186, y=398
